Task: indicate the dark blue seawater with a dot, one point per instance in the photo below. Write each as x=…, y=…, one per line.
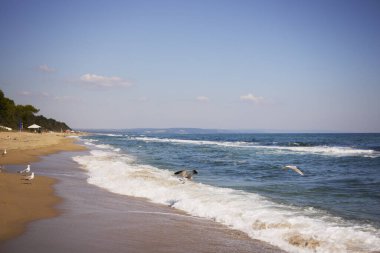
x=341, y=171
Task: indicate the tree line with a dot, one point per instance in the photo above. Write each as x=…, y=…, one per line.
x=13, y=115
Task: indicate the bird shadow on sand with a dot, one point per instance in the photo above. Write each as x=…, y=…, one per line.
x=25, y=181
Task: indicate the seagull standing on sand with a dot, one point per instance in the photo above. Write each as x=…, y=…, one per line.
x=4, y=152
x=27, y=170
x=29, y=177
x=186, y=174
x=294, y=168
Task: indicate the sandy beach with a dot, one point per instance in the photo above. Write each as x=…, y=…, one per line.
x=94, y=220
x=78, y=217
x=22, y=201
x=24, y=147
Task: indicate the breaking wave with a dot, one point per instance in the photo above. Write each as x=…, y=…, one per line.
x=295, y=148
x=291, y=228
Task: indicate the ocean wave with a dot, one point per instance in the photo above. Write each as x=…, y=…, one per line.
x=196, y=142
x=294, y=148
x=290, y=228
x=73, y=136
x=92, y=143
x=107, y=134
x=327, y=150
x=300, y=144
x=113, y=135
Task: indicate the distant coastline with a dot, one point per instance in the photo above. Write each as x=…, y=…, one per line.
x=187, y=130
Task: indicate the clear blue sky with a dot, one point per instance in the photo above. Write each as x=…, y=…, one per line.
x=279, y=65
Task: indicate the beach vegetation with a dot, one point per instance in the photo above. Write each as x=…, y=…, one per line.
x=13, y=116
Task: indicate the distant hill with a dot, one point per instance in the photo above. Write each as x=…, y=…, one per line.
x=174, y=131
x=171, y=131
x=11, y=115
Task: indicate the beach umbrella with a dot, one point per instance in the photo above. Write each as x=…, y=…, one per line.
x=34, y=126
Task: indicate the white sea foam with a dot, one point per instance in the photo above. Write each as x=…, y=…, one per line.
x=327, y=150
x=114, y=135
x=72, y=136
x=196, y=142
x=318, y=150
x=92, y=144
x=290, y=228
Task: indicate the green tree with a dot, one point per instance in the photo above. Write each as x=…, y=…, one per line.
x=7, y=111
x=11, y=115
x=25, y=113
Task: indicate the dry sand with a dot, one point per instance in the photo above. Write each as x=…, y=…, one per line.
x=28, y=147
x=22, y=201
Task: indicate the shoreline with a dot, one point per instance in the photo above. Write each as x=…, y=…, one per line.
x=19, y=206
x=94, y=220
x=22, y=202
x=114, y=223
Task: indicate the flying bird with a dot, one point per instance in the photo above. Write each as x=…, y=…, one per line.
x=186, y=174
x=294, y=168
x=27, y=170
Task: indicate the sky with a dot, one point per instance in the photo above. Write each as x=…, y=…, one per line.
x=284, y=65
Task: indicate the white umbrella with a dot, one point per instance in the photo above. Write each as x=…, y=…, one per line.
x=34, y=126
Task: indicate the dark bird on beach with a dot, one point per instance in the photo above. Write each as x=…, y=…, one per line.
x=186, y=174
x=294, y=168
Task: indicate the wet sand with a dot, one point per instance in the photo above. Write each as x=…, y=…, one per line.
x=94, y=220
x=23, y=201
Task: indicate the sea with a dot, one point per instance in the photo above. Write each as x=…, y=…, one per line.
x=242, y=182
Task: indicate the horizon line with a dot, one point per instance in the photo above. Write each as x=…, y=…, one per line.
x=253, y=131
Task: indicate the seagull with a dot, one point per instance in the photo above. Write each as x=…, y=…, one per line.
x=4, y=152
x=27, y=170
x=186, y=174
x=30, y=177
x=294, y=168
